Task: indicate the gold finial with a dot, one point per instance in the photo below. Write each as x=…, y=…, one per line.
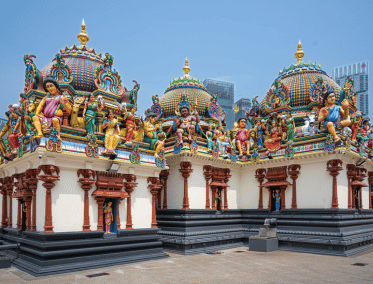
x=186, y=68
x=300, y=53
x=82, y=36
x=236, y=108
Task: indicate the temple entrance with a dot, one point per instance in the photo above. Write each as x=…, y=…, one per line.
x=24, y=215
x=218, y=201
x=275, y=192
x=356, y=197
x=110, y=215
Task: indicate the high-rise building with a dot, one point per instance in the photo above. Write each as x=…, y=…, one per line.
x=243, y=104
x=359, y=72
x=225, y=93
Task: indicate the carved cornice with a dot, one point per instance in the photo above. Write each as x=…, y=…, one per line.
x=293, y=171
x=334, y=166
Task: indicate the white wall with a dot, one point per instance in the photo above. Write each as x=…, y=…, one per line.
x=342, y=188
x=248, y=190
x=314, y=186
x=196, y=187
x=233, y=189
x=40, y=206
x=365, y=195
x=141, y=199
x=175, y=188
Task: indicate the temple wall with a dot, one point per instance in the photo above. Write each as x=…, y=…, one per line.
x=314, y=186
x=197, y=187
x=365, y=196
x=40, y=206
x=247, y=189
x=342, y=188
x=141, y=206
x=175, y=187
x=233, y=189
x=67, y=202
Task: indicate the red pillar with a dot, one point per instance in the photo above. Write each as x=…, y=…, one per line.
x=118, y=217
x=186, y=169
x=333, y=167
x=159, y=197
x=370, y=182
x=208, y=174
x=164, y=176
x=86, y=182
x=28, y=213
x=351, y=172
x=32, y=183
x=4, y=205
x=48, y=178
x=10, y=193
x=213, y=191
x=129, y=185
x=294, y=172
x=154, y=188
x=259, y=175
x=100, y=212
x=226, y=179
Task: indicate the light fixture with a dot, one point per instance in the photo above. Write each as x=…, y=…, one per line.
x=114, y=167
x=359, y=164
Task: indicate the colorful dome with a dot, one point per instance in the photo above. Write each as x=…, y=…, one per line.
x=82, y=62
x=194, y=90
x=299, y=79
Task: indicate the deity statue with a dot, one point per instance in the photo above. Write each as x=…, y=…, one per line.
x=108, y=212
x=49, y=113
x=260, y=128
x=214, y=110
x=185, y=123
x=366, y=128
x=220, y=139
x=273, y=144
x=91, y=108
x=277, y=197
x=284, y=128
x=348, y=92
x=290, y=132
x=355, y=124
x=331, y=113
x=130, y=121
x=243, y=136
x=209, y=136
x=26, y=117
x=15, y=126
x=278, y=96
x=111, y=134
x=150, y=133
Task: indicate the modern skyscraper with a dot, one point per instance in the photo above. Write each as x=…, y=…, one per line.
x=359, y=72
x=243, y=104
x=225, y=92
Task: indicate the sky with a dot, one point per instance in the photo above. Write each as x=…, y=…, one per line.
x=244, y=42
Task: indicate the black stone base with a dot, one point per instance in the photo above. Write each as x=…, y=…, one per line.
x=340, y=232
x=45, y=254
x=5, y=262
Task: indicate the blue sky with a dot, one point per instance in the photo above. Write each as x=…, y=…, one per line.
x=245, y=42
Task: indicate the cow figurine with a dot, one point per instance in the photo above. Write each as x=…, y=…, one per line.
x=309, y=127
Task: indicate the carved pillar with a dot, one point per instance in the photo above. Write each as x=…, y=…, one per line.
x=270, y=198
x=259, y=175
x=213, y=191
x=155, y=186
x=293, y=171
x=208, y=174
x=86, y=182
x=164, y=176
x=28, y=213
x=4, y=216
x=333, y=167
x=159, y=197
x=9, y=191
x=370, y=182
x=19, y=215
x=48, y=180
x=226, y=179
x=32, y=182
x=100, y=213
x=186, y=169
x=282, y=194
x=129, y=185
x=118, y=217
x=350, y=175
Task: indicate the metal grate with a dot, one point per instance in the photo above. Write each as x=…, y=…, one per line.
x=360, y=264
x=97, y=275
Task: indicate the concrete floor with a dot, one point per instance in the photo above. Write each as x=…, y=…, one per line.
x=232, y=266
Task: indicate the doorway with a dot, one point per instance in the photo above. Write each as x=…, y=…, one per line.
x=113, y=220
x=275, y=198
x=218, y=200
x=23, y=215
x=356, y=199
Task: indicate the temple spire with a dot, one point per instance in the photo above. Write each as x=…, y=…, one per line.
x=186, y=68
x=300, y=53
x=82, y=36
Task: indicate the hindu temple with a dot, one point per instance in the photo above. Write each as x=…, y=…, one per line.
x=88, y=182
